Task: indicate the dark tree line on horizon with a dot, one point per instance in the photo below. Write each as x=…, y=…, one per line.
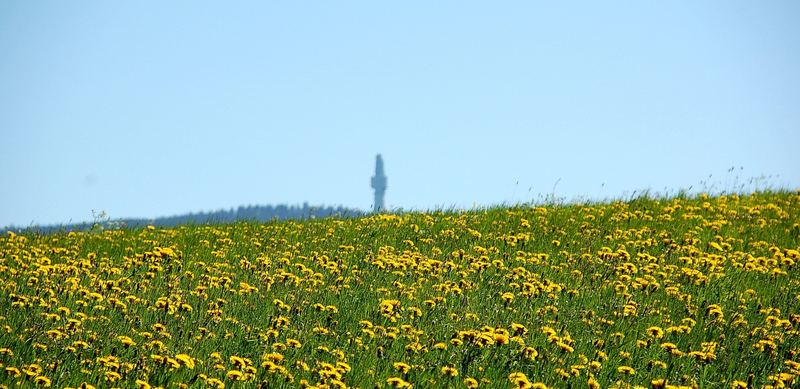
x=258, y=213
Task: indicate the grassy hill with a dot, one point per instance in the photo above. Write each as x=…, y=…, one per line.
x=696, y=292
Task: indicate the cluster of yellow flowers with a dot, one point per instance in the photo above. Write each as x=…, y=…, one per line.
x=664, y=293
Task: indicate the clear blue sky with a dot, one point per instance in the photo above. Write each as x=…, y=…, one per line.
x=154, y=108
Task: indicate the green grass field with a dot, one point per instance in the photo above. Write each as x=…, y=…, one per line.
x=693, y=292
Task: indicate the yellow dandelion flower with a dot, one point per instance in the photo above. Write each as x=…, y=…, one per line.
x=185, y=360
x=655, y=332
x=112, y=376
x=518, y=329
x=13, y=371
x=273, y=357
x=565, y=347
x=140, y=384
x=782, y=378
x=293, y=343
x=126, y=341
x=669, y=346
x=402, y=367
x=449, y=371
x=343, y=367
x=173, y=363
x=396, y=382
x=626, y=370
x=501, y=338
x=239, y=361
x=519, y=379
x=42, y=381
x=32, y=370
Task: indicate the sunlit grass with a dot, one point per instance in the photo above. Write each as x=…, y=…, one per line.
x=699, y=292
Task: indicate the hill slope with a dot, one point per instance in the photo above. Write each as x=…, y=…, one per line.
x=695, y=292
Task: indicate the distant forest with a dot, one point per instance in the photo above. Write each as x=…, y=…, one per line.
x=260, y=213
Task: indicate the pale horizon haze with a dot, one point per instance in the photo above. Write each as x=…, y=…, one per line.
x=148, y=109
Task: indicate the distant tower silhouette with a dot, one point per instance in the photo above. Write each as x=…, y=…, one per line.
x=379, y=183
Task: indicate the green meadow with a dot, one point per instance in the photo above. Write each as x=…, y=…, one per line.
x=700, y=292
